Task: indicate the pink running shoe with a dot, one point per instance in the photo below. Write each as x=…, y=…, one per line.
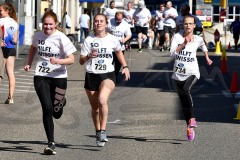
x=190, y=134
x=192, y=123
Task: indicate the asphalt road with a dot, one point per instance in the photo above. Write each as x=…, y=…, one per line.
x=145, y=120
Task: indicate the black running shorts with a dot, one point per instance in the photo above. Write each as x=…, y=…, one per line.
x=93, y=81
x=8, y=52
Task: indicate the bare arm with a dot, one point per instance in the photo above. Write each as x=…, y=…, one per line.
x=31, y=56
x=122, y=60
x=66, y=61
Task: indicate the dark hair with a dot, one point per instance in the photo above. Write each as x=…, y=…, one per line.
x=50, y=14
x=85, y=11
x=112, y=2
x=162, y=4
x=189, y=16
x=187, y=7
x=11, y=10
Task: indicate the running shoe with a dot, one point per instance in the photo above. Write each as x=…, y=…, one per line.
x=190, y=134
x=50, y=150
x=58, y=109
x=9, y=101
x=140, y=50
x=104, y=136
x=161, y=49
x=98, y=140
x=192, y=123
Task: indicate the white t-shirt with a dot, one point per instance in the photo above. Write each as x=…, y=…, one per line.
x=129, y=15
x=142, y=17
x=119, y=31
x=105, y=47
x=10, y=27
x=186, y=63
x=160, y=19
x=110, y=13
x=68, y=21
x=169, y=21
x=179, y=22
x=84, y=18
x=56, y=45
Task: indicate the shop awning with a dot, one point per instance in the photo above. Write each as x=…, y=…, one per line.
x=92, y=1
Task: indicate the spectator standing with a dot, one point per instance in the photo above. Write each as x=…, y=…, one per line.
x=216, y=36
x=235, y=29
x=169, y=23
x=84, y=21
x=142, y=18
x=110, y=12
x=8, y=22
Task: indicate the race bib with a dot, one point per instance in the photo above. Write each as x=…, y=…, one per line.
x=181, y=68
x=45, y=68
x=99, y=65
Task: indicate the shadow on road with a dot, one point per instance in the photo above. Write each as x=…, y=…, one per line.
x=213, y=102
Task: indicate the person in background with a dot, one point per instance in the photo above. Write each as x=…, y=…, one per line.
x=68, y=21
x=128, y=14
x=100, y=77
x=159, y=26
x=235, y=29
x=1, y=59
x=169, y=14
x=142, y=18
x=84, y=21
x=110, y=12
x=216, y=36
x=186, y=69
x=185, y=11
x=120, y=29
x=54, y=51
x=9, y=25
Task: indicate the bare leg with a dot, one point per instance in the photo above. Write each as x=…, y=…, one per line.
x=9, y=62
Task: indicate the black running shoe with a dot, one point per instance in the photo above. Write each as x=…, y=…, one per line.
x=58, y=109
x=50, y=150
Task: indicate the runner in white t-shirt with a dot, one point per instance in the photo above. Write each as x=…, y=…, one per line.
x=110, y=12
x=142, y=17
x=120, y=29
x=9, y=26
x=169, y=23
x=159, y=25
x=54, y=51
x=97, y=54
x=186, y=70
x=128, y=14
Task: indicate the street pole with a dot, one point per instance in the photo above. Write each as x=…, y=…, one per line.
x=226, y=23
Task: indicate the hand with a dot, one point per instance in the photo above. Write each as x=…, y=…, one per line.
x=54, y=60
x=187, y=39
x=93, y=53
x=209, y=61
x=127, y=74
x=3, y=43
x=27, y=68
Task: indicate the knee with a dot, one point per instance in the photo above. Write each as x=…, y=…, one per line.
x=186, y=90
x=95, y=110
x=103, y=101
